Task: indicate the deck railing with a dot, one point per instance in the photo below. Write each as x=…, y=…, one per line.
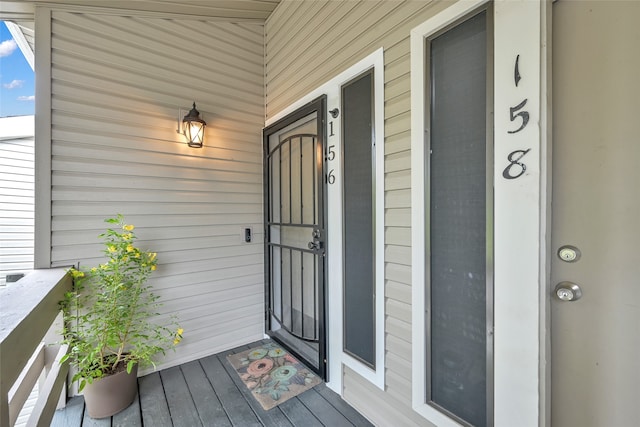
x=29, y=308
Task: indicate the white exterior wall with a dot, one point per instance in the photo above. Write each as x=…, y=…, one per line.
x=116, y=85
x=307, y=44
x=16, y=195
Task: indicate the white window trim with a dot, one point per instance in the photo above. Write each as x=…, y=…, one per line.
x=337, y=357
x=520, y=209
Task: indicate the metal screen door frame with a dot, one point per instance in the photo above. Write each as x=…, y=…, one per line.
x=317, y=246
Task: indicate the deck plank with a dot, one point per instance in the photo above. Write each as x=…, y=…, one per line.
x=71, y=415
x=323, y=410
x=355, y=417
x=298, y=414
x=209, y=392
x=274, y=417
x=153, y=402
x=236, y=407
x=87, y=421
x=130, y=417
x=207, y=403
x=181, y=405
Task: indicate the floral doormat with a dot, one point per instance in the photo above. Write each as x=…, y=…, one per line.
x=272, y=374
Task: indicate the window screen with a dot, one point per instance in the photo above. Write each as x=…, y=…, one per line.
x=359, y=257
x=457, y=346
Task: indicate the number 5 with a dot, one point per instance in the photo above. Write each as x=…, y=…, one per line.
x=523, y=114
x=331, y=154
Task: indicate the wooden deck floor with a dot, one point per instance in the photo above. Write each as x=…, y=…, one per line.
x=208, y=392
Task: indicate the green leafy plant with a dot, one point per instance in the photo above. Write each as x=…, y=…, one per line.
x=108, y=314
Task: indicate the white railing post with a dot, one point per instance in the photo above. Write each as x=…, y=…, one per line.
x=29, y=307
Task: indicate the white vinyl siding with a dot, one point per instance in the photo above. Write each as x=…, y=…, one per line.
x=308, y=43
x=117, y=84
x=16, y=195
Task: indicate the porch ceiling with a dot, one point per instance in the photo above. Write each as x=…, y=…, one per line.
x=21, y=12
x=202, y=9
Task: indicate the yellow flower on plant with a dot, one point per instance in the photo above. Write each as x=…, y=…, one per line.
x=76, y=274
x=153, y=268
x=111, y=249
x=130, y=248
x=103, y=266
x=128, y=227
x=178, y=337
x=94, y=269
x=125, y=258
x=127, y=236
x=152, y=256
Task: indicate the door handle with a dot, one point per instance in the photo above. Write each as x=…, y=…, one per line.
x=315, y=246
x=568, y=291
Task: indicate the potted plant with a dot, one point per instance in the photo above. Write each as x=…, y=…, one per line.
x=108, y=322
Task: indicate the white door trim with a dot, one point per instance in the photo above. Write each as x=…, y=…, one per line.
x=334, y=321
x=521, y=212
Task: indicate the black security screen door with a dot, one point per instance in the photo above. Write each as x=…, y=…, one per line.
x=295, y=233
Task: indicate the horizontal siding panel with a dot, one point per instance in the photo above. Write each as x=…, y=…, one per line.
x=398, y=254
x=398, y=217
x=202, y=344
x=211, y=287
x=16, y=197
x=397, y=124
x=13, y=170
x=19, y=145
x=399, y=347
x=164, y=171
x=22, y=164
x=381, y=407
x=398, y=328
x=188, y=205
x=396, y=88
x=399, y=366
x=400, y=292
x=398, y=199
x=398, y=161
x=216, y=303
x=145, y=183
x=138, y=160
x=10, y=177
x=122, y=196
x=218, y=145
x=9, y=155
x=398, y=143
x=399, y=236
x=398, y=105
x=183, y=274
x=398, y=273
x=82, y=223
x=166, y=208
x=398, y=180
x=15, y=187
x=147, y=39
x=397, y=68
x=25, y=213
x=216, y=247
x=83, y=237
x=399, y=388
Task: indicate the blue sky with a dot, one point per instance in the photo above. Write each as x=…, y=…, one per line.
x=17, y=81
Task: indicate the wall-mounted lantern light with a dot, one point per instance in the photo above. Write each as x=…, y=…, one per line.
x=192, y=127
